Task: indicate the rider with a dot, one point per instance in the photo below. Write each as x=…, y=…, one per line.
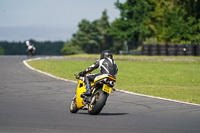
x=30, y=47
x=106, y=64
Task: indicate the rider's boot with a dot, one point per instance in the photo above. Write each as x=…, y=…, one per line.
x=88, y=89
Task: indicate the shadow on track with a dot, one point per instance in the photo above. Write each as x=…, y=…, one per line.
x=106, y=114
x=113, y=114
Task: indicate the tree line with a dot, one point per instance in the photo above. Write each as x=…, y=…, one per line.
x=163, y=21
x=140, y=22
x=91, y=37
x=42, y=48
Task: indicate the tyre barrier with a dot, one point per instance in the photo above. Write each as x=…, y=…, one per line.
x=197, y=51
x=190, y=50
x=162, y=49
x=180, y=50
x=171, y=50
x=153, y=49
x=145, y=49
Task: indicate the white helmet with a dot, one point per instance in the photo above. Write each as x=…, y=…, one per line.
x=28, y=43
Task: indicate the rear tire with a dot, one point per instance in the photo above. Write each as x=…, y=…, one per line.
x=97, y=103
x=73, y=107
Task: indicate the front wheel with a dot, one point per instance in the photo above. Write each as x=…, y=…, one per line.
x=97, y=103
x=73, y=107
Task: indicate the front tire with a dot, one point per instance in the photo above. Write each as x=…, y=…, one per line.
x=73, y=107
x=97, y=103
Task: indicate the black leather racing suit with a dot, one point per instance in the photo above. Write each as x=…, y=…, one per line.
x=107, y=66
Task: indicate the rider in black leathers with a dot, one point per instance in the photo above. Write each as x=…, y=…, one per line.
x=106, y=64
x=30, y=48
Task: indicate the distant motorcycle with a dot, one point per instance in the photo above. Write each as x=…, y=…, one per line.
x=30, y=48
x=100, y=88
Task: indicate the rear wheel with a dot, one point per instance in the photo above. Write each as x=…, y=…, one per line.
x=97, y=103
x=73, y=107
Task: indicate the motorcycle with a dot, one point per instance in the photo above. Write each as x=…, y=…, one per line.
x=30, y=48
x=31, y=51
x=100, y=90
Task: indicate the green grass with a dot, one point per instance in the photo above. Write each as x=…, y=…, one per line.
x=178, y=80
x=140, y=58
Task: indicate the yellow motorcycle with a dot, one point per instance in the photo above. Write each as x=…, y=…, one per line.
x=100, y=90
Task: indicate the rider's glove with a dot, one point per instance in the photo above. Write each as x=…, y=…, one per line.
x=81, y=74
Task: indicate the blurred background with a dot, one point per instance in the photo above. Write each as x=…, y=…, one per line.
x=64, y=27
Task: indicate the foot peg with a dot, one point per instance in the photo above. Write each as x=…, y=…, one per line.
x=86, y=97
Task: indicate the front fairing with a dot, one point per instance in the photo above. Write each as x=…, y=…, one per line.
x=80, y=89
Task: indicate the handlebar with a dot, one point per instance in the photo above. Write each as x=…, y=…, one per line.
x=76, y=76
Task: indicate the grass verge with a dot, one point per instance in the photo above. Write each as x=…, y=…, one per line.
x=178, y=80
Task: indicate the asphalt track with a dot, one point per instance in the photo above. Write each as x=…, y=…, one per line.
x=31, y=102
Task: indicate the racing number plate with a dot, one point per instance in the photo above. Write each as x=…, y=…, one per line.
x=106, y=89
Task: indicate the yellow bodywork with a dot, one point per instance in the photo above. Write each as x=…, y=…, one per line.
x=80, y=89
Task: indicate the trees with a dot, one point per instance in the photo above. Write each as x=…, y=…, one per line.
x=166, y=21
x=163, y=21
x=192, y=8
x=42, y=48
x=86, y=38
x=91, y=37
x=106, y=40
x=133, y=24
x=180, y=23
x=2, y=52
x=159, y=21
x=13, y=48
x=70, y=49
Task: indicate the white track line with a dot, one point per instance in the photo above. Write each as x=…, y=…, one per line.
x=25, y=62
x=132, y=93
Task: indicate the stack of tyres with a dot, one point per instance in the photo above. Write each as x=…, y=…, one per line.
x=198, y=50
x=180, y=50
x=162, y=49
x=153, y=49
x=189, y=49
x=171, y=50
x=145, y=49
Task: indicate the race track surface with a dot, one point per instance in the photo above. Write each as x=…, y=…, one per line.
x=31, y=102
